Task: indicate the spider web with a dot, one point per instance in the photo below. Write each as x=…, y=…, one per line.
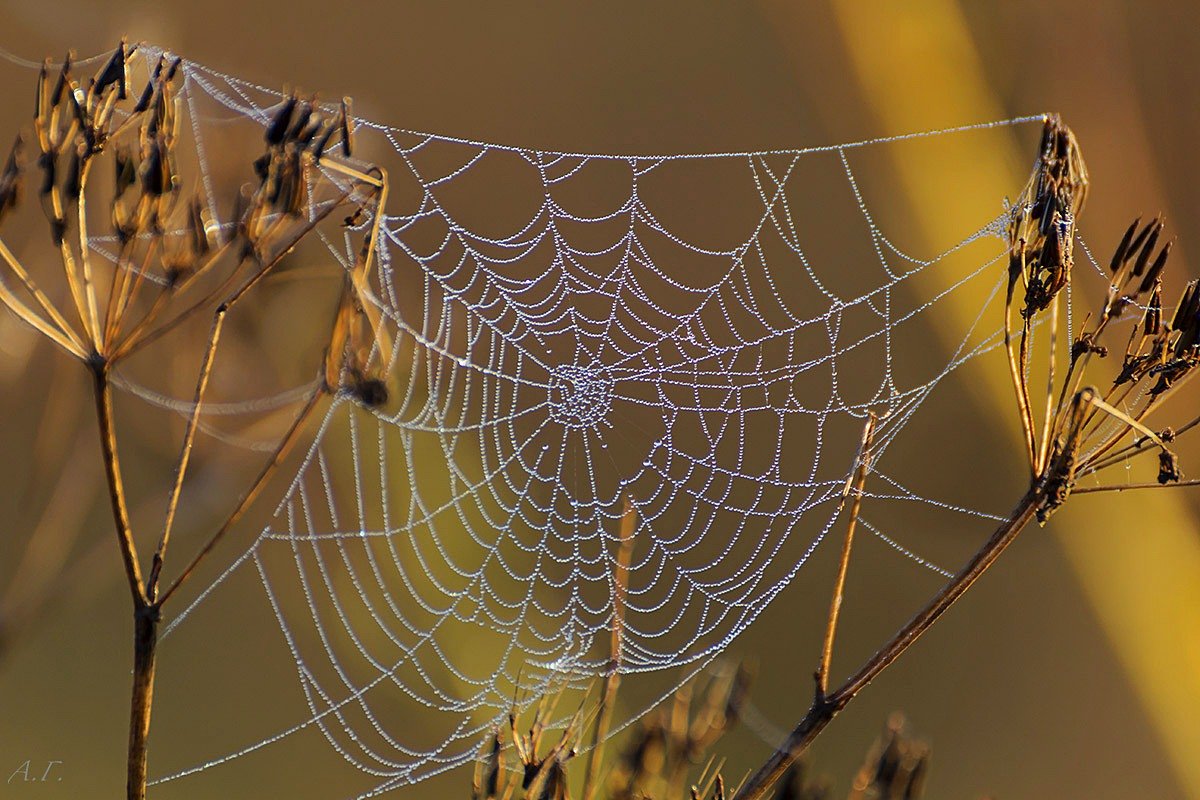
x=583, y=341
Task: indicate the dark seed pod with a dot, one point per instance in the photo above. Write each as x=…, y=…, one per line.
x=125, y=169
x=58, y=230
x=114, y=72
x=1152, y=319
x=157, y=179
x=1168, y=467
x=262, y=166
x=49, y=165
x=73, y=183
x=347, y=126
x=1181, y=310
x=1140, y=239
x=1123, y=248
x=1143, y=258
x=143, y=102
x=64, y=78
x=196, y=229
x=299, y=121
x=371, y=392
x=10, y=179
x=1156, y=268
x=327, y=129
x=277, y=130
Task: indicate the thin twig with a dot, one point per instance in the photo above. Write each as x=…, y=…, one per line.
x=821, y=713
x=116, y=487
x=613, y=681
x=1123, y=487
x=854, y=486
x=1016, y=374
x=285, y=446
x=1048, y=423
x=185, y=451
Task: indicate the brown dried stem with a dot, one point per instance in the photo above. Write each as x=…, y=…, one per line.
x=823, y=710
x=612, y=681
x=854, y=487
x=75, y=126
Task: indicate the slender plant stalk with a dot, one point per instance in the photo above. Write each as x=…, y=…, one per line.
x=145, y=613
x=823, y=710
x=145, y=651
x=278, y=455
x=612, y=682
x=116, y=486
x=854, y=485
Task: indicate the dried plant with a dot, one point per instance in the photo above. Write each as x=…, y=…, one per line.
x=1082, y=432
x=674, y=743
x=175, y=261
x=655, y=762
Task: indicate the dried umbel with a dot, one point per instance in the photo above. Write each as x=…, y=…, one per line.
x=1084, y=429
x=175, y=259
x=1093, y=429
x=1042, y=227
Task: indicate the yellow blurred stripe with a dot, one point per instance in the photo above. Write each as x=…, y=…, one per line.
x=916, y=63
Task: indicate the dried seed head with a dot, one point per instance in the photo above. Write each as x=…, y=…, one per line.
x=1042, y=227
x=64, y=79
x=1151, y=277
x=73, y=183
x=147, y=96
x=1143, y=257
x=1168, y=467
x=277, y=130
x=1123, y=248
x=10, y=179
x=347, y=125
x=115, y=72
x=371, y=392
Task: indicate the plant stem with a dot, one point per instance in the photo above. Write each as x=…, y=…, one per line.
x=145, y=650
x=823, y=710
x=112, y=471
x=145, y=613
x=854, y=485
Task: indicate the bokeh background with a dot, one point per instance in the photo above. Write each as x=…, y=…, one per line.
x=1072, y=670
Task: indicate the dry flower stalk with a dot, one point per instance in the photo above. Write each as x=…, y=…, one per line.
x=174, y=261
x=1084, y=430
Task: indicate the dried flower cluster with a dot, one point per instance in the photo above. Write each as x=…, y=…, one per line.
x=171, y=253
x=655, y=762
x=174, y=259
x=670, y=743
x=1086, y=429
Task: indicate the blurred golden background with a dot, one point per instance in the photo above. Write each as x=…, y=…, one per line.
x=1073, y=670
